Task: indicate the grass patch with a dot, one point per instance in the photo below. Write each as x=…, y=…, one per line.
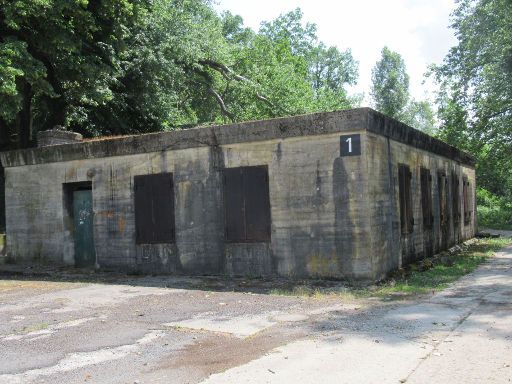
x=304, y=289
x=426, y=276
x=35, y=327
x=443, y=271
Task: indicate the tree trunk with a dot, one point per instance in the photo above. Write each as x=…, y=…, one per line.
x=56, y=105
x=25, y=134
x=5, y=139
x=57, y=116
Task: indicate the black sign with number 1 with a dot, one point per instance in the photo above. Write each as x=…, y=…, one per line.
x=350, y=145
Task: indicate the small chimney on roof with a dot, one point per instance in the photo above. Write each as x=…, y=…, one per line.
x=57, y=136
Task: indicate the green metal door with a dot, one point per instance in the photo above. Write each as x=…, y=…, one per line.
x=83, y=218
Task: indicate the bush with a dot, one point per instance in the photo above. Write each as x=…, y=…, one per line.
x=493, y=211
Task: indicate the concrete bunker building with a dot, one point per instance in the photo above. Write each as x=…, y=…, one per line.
x=350, y=194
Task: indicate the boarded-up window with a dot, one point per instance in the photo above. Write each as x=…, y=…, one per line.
x=404, y=186
x=455, y=199
x=426, y=197
x=442, y=184
x=247, y=204
x=466, y=192
x=154, y=208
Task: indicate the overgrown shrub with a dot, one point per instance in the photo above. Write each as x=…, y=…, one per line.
x=493, y=211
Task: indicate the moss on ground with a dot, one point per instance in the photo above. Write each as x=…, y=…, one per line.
x=429, y=275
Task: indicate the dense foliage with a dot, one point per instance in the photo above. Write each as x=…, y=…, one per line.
x=108, y=67
x=475, y=102
x=59, y=59
x=390, y=93
x=390, y=89
x=493, y=211
x=103, y=67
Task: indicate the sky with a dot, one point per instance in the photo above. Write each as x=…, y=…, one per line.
x=417, y=29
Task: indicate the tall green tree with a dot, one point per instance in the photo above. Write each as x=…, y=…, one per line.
x=169, y=71
x=420, y=115
x=58, y=58
x=281, y=70
x=390, y=93
x=475, y=101
x=329, y=70
x=109, y=67
x=390, y=84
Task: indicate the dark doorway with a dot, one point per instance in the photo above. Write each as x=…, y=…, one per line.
x=78, y=201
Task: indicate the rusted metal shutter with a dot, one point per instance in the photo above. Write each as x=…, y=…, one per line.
x=154, y=208
x=234, y=204
x=408, y=193
x=247, y=204
x=426, y=197
x=405, y=196
x=455, y=198
x=467, y=203
x=163, y=208
x=401, y=195
x=2, y=199
x=143, y=209
x=257, y=204
x=441, y=189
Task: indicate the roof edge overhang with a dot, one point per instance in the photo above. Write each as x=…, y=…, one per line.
x=252, y=131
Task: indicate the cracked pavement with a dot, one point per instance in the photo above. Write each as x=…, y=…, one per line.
x=139, y=330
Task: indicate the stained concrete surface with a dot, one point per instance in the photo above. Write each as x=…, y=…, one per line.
x=138, y=330
x=332, y=216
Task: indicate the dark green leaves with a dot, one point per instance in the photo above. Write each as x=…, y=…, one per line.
x=390, y=89
x=109, y=67
x=476, y=83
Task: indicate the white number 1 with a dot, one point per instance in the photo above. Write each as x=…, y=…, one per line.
x=349, y=141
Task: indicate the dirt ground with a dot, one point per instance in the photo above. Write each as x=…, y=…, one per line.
x=179, y=330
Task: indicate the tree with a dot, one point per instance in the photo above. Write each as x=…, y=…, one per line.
x=475, y=101
x=329, y=70
x=390, y=84
x=59, y=59
x=168, y=76
x=272, y=73
x=110, y=67
x=289, y=27
x=420, y=115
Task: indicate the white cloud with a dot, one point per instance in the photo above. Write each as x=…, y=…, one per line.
x=417, y=29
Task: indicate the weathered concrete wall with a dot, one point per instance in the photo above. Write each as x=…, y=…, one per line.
x=318, y=208
x=391, y=248
x=37, y=220
x=331, y=216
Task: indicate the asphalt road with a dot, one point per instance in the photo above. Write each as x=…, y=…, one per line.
x=140, y=331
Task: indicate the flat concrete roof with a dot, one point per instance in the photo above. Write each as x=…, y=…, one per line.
x=251, y=131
